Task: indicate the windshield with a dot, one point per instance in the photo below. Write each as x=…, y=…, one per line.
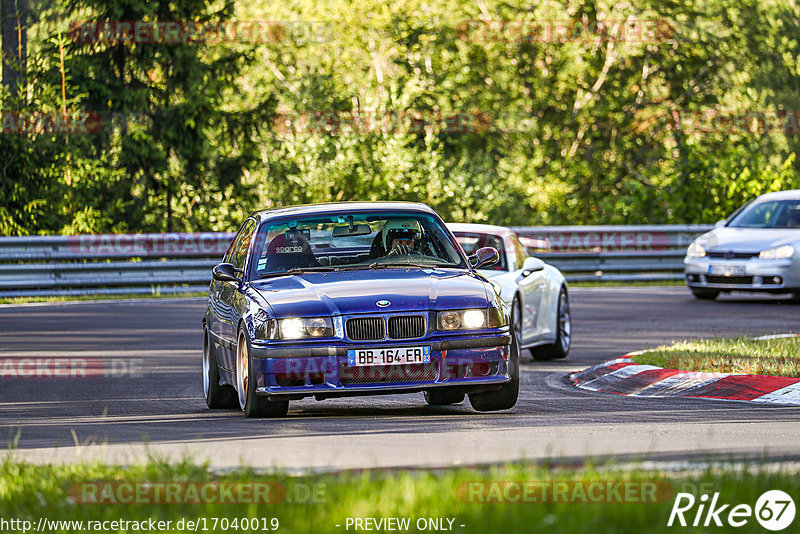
x=358, y=241
x=471, y=242
x=770, y=214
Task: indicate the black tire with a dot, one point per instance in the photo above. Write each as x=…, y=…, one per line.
x=560, y=347
x=444, y=396
x=506, y=397
x=516, y=319
x=217, y=395
x=251, y=404
x=704, y=294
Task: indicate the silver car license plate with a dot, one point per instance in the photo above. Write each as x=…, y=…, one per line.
x=726, y=270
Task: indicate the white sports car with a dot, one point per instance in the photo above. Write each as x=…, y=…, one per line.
x=535, y=292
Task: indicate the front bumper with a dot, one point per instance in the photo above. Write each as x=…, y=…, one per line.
x=321, y=370
x=773, y=276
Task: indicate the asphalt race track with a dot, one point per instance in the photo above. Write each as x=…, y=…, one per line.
x=160, y=410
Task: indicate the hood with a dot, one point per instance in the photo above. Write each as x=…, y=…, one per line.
x=748, y=239
x=358, y=291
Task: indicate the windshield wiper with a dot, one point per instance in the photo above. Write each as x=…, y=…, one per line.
x=298, y=270
x=384, y=265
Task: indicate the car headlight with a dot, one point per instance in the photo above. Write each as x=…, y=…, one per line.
x=304, y=327
x=777, y=253
x=263, y=326
x=474, y=319
x=696, y=250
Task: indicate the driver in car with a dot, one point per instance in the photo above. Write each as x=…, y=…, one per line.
x=401, y=236
x=793, y=220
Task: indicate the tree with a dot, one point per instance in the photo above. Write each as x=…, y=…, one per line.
x=177, y=151
x=14, y=15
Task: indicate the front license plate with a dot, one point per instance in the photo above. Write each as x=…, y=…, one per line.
x=388, y=356
x=726, y=270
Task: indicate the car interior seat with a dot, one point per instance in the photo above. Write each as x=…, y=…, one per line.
x=288, y=250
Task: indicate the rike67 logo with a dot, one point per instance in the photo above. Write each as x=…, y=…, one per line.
x=774, y=510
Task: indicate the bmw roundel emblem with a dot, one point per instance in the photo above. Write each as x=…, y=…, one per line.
x=383, y=303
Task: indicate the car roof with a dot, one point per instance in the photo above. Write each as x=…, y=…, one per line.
x=479, y=228
x=340, y=207
x=792, y=194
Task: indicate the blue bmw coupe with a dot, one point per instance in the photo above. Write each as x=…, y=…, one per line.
x=348, y=299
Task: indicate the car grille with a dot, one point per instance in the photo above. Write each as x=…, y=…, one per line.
x=736, y=280
x=406, y=326
x=365, y=328
x=732, y=255
x=388, y=374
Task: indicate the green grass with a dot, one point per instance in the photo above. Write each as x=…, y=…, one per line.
x=27, y=300
x=777, y=357
x=29, y=492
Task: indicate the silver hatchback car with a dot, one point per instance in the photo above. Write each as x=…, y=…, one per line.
x=756, y=249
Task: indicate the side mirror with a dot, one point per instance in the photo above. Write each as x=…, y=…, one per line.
x=226, y=272
x=484, y=256
x=720, y=223
x=531, y=265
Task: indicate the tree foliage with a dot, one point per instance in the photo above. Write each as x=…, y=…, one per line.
x=573, y=128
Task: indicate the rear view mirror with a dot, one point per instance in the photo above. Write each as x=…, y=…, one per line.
x=357, y=229
x=720, y=223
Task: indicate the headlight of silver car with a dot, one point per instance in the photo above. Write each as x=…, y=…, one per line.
x=474, y=319
x=305, y=327
x=696, y=250
x=777, y=253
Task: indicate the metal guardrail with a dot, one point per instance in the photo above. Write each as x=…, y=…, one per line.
x=109, y=264
x=613, y=253
x=181, y=262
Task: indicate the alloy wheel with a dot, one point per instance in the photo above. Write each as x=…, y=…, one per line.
x=242, y=371
x=564, y=322
x=206, y=364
